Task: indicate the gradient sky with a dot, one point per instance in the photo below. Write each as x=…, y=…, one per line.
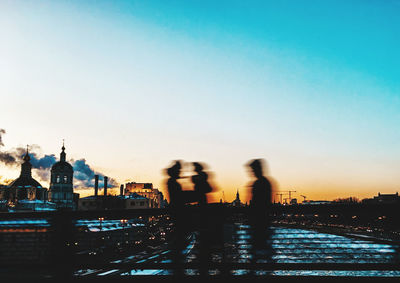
x=311, y=86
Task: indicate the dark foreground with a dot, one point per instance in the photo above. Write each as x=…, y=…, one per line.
x=136, y=247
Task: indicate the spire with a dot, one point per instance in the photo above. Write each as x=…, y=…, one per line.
x=26, y=166
x=62, y=155
x=26, y=156
x=237, y=195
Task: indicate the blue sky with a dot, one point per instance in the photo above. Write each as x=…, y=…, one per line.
x=312, y=86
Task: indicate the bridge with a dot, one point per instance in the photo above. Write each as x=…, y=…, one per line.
x=135, y=245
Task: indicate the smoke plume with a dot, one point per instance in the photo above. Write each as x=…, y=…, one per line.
x=5, y=157
x=83, y=173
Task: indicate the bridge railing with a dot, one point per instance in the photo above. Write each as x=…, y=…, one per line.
x=57, y=237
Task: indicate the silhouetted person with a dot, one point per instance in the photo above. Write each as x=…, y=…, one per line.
x=259, y=212
x=261, y=188
x=174, y=188
x=176, y=204
x=206, y=232
x=201, y=185
x=177, y=196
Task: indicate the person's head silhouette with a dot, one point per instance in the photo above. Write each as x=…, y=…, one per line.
x=256, y=167
x=174, y=170
x=197, y=167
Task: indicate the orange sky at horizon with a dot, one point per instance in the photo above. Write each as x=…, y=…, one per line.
x=319, y=192
x=131, y=87
x=314, y=178
x=245, y=194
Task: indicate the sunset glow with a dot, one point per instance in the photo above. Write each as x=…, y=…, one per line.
x=133, y=85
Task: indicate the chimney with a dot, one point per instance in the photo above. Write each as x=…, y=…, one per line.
x=96, y=184
x=105, y=185
x=121, y=190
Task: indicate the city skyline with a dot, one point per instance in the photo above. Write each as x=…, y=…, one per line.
x=133, y=85
x=84, y=184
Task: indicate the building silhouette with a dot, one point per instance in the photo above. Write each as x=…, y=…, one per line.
x=61, y=183
x=237, y=202
x=24, y=187
x=156, y=198
x=127, y=199
x=383, y=198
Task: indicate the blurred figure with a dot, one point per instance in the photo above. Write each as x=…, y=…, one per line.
x=174, y=188
x=176, y=204
x=201, y=188
x=201, y=185
x=183, y=222
x=261, y=188
x=177, y=196
x=260, y=205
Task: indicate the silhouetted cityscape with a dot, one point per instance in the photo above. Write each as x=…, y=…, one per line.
x=187, y=235
x=205, y=141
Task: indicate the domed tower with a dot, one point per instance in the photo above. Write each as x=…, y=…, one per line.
x=61, y=187
x=25, y=187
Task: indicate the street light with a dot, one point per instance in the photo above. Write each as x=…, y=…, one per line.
x=123, y=222
x=101, y=220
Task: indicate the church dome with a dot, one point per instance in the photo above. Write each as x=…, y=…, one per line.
x=25, y=179
x=62, y=165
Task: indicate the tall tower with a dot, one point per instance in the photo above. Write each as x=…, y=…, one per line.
x=237, y=202
x=61, y=188
x=26, y=167
x=237, y=195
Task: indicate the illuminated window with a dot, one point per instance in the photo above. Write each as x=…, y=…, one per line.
x=65, y=179
x=57, y=179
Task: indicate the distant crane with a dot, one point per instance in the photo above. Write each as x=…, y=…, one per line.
x=304, y=200
x=280, y=196
x=290, y=194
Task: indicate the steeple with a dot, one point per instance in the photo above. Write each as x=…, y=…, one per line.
x=26, y=156
x=26, y=166
x=237, y=195
x=61, y=190
x=62, y=155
